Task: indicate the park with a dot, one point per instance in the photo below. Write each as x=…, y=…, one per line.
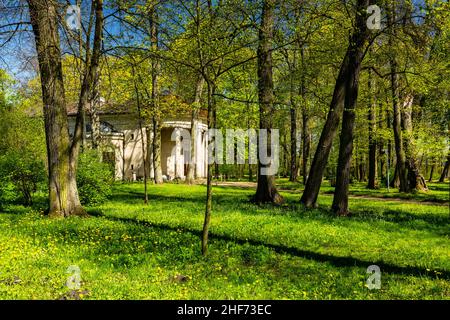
x=225, y=150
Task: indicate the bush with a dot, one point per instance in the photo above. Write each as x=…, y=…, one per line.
x=8, y=192
x=20, y=174
x=94, y=178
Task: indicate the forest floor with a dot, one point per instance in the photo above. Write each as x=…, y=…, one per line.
x=128, y=250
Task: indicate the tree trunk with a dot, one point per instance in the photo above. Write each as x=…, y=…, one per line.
x=87, y=89
x=356, y=55
x=216, y=164
x=395, y=182
x=293, y=113
x=380, y=141
x=293, y=158
x=362, y=171
x=306, y=145
x=266, y=190
x=415, y=180
x=156, y=145
x=141, y=130
x=63, y=193
x=398, y=138
x=389, y=158
x=250, y=166
x=372, y=183
x=311, y=192
x=433, y=166
x=446, y=170
x=95, y=119
x=210, y=168
x=88, y=84
x=149, y=151
x=192, y=166
x=306, y=132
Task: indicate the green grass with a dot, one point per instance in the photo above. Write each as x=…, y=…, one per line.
x=127, y=250
x=438, y=192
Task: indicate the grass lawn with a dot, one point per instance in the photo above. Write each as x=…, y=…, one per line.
x=127, y=250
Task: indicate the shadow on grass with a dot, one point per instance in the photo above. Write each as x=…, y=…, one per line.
x=434, y=223
x=402, y=216
x=441, y=186
x=319, y=257
x=138, y=197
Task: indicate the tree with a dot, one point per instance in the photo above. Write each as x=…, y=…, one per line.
x=89, y=83
x=192, y=165
x=62, y=153
x=306, y=132
x=371, y=118
x=345, y=82
x=414, y=179
x=63, y=193
x=356, y=55
x=156, y=143
x=400, y=167
x=266, y=190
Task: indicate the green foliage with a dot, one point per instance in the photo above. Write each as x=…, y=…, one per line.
x=22, y=147
x=24, y=172
x=8, y=192
x=94, y=178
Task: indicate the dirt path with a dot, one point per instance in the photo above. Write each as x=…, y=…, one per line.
x=252, y=185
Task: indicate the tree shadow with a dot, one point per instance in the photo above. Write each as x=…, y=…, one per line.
x=442, y=186
x=336, y=261
x=137, y=197
x=229, y=201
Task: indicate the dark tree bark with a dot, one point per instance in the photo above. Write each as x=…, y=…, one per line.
x=400, y=168
x=306, y=144
x=398, y=137
x=395, y=181
x=63, y=192
x=266, y=190
x=445, y=171
x=93, y=112
x=192, y=166
x=356, y=55
x=250, y=166
x=88, y=84
x=382, y=153
x=372, y=183
x=293, y=158
x=362, y=170
x=293, y=172
x=415, y=180
x=347, y=71
x=390, y=162
x=433, y=166
x=306, y=132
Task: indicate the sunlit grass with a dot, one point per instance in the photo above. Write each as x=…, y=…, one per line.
x=127, y=250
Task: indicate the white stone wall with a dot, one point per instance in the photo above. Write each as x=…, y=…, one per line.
x=130, y=146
